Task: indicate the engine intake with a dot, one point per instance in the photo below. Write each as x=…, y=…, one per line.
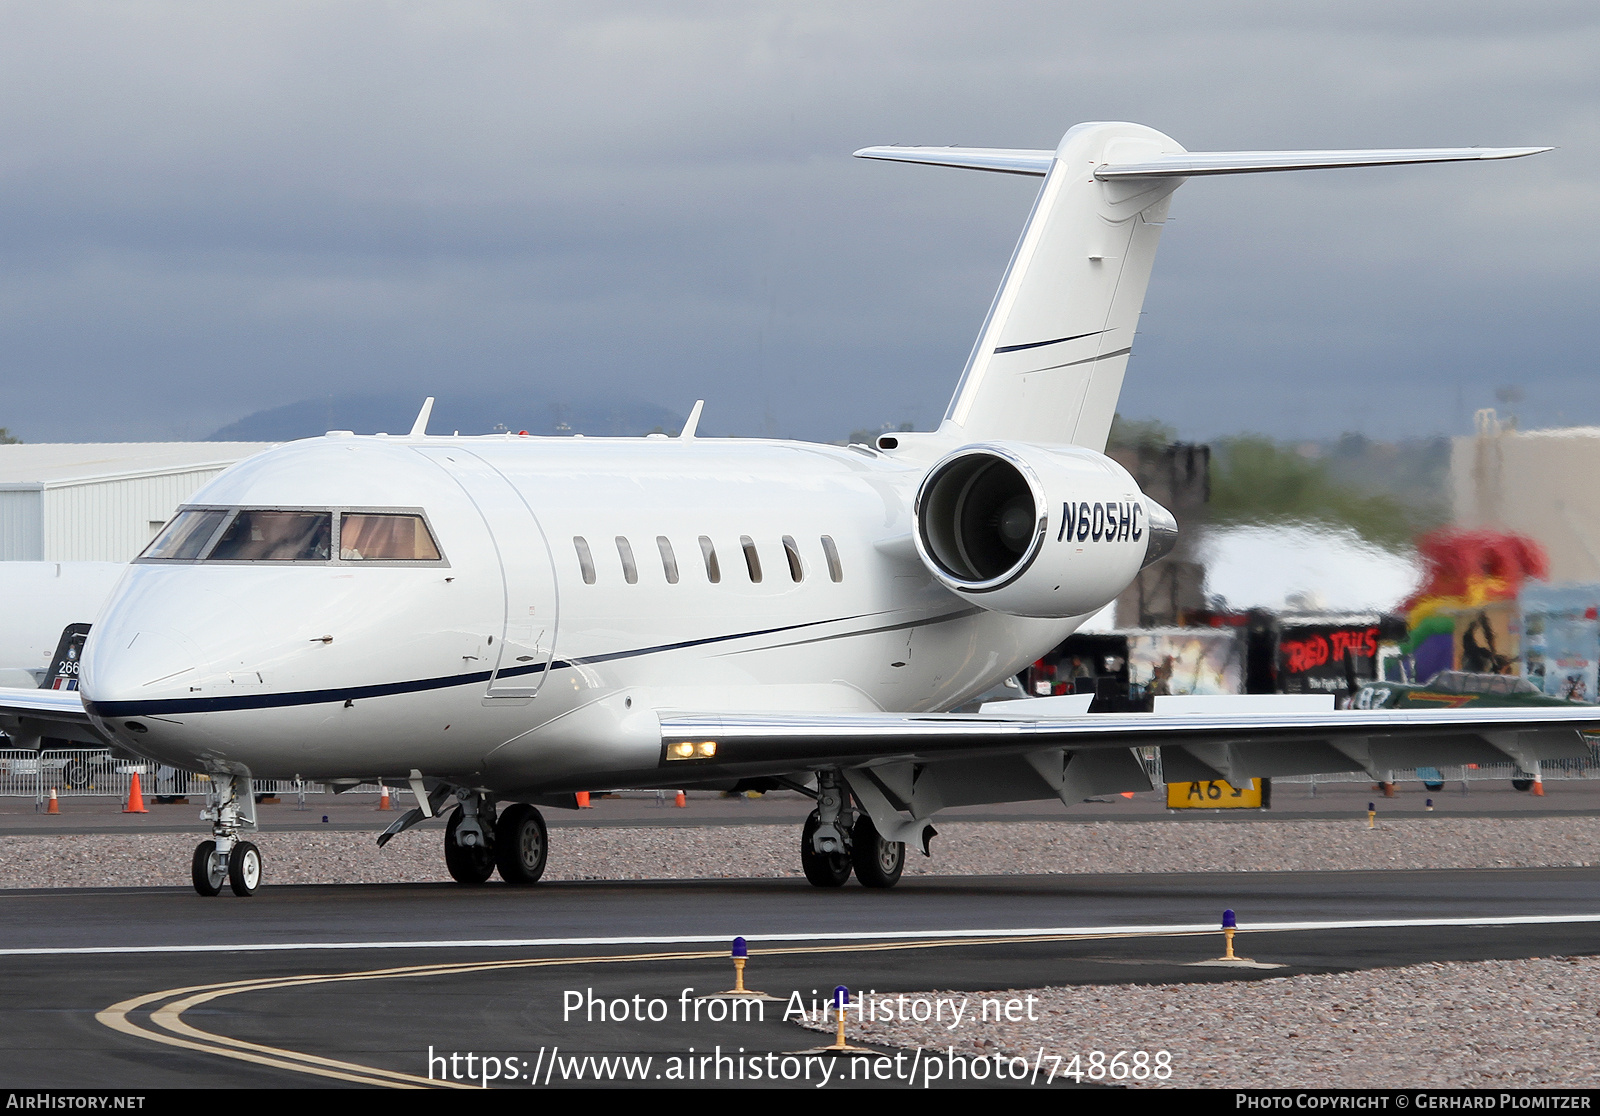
x=980, y=518
x=1034, y=531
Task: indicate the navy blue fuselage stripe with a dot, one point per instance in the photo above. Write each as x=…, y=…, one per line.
x=389, y=689
x=1042, y=344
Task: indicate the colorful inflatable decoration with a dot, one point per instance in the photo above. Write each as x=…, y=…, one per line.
x=1463, y=570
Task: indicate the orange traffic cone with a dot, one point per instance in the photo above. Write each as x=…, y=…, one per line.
x=135, y=803
x=383, y=802
x=681, y=800
x=1538, y=787
x=53, y=808
x=583, y=801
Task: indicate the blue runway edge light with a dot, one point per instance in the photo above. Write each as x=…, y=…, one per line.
x=1228, y=921
x=740, y=949
x=841, y=997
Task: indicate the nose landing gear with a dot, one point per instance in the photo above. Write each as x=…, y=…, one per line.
x=231, y=809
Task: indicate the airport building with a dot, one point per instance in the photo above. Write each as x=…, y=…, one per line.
x=1536, y=483
x=100, y=502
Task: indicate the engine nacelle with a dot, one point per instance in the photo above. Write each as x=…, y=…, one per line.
x=1037, y=531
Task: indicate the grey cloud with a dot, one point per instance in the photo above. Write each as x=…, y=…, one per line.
x=208, y=210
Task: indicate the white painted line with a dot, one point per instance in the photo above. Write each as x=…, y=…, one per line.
x=836, y=936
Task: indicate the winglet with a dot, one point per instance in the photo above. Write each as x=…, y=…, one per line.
x=419, y=429
x=689, y=427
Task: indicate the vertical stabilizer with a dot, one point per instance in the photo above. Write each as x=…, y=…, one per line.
x=1049, y=360
x=1048, y=363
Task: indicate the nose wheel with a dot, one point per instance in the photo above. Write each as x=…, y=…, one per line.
x=210, y=871
x=225, y=859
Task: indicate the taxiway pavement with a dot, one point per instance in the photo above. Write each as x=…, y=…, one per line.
x=367, y=1010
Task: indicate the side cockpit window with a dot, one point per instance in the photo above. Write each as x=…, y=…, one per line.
x=186, y=537
x=374, y=537
x=320, y=536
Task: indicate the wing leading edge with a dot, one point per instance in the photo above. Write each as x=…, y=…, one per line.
x=27, y=716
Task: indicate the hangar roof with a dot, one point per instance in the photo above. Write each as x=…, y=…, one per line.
x=57, y=464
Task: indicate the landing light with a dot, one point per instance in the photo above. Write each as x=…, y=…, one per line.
x=685, y=749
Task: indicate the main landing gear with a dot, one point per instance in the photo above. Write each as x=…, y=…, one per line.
x=476, y=842
x=836, y=840
x=231, y=809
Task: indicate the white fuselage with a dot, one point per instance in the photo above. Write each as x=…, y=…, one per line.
x=502, y=665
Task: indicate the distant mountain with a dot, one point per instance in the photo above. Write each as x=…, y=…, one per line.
x=469, y=413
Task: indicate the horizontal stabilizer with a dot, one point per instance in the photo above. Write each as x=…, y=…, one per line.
x=1192, y=164
x=1189, y=164
x=999, y=159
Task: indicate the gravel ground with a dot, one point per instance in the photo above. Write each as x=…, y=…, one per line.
x=1492, y=1024
x=765, y=851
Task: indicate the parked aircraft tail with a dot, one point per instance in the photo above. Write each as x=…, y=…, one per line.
x=1048, y=363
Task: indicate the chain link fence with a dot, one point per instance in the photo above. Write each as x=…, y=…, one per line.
x=94, y=772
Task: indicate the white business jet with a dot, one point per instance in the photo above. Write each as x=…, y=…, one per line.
x=506, y=620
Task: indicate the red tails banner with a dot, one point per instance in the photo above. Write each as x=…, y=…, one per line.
x=1312, y=660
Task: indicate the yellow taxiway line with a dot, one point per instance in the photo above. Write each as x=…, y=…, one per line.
x=166, y=1009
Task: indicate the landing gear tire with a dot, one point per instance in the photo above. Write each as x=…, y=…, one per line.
x=469, y=866
x=209, y=871
x=1521, y=784
x=520, y=844
x=878, y=863
x=244, y=868
x=822, y=869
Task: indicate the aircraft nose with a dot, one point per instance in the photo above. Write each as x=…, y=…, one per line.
x=145, y=663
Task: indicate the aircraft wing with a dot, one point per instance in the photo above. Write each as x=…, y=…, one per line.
x=27, y=716
x=903, y=768
x=1193, y=746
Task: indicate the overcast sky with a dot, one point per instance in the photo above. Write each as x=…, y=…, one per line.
x=208, y=209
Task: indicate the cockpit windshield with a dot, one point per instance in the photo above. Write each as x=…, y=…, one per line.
x=275, y=536
x=303, y=535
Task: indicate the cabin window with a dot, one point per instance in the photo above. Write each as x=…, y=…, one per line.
x=669, y=560
x=185, y=538
x=791, y=551
x=585, y=559
x=276, y=536
x=367, y=537
x=630, y=572
x=835, y=571
x=752, y=560
x=709, y=553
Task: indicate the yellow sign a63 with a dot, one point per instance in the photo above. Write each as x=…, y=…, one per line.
x=1215, y=794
